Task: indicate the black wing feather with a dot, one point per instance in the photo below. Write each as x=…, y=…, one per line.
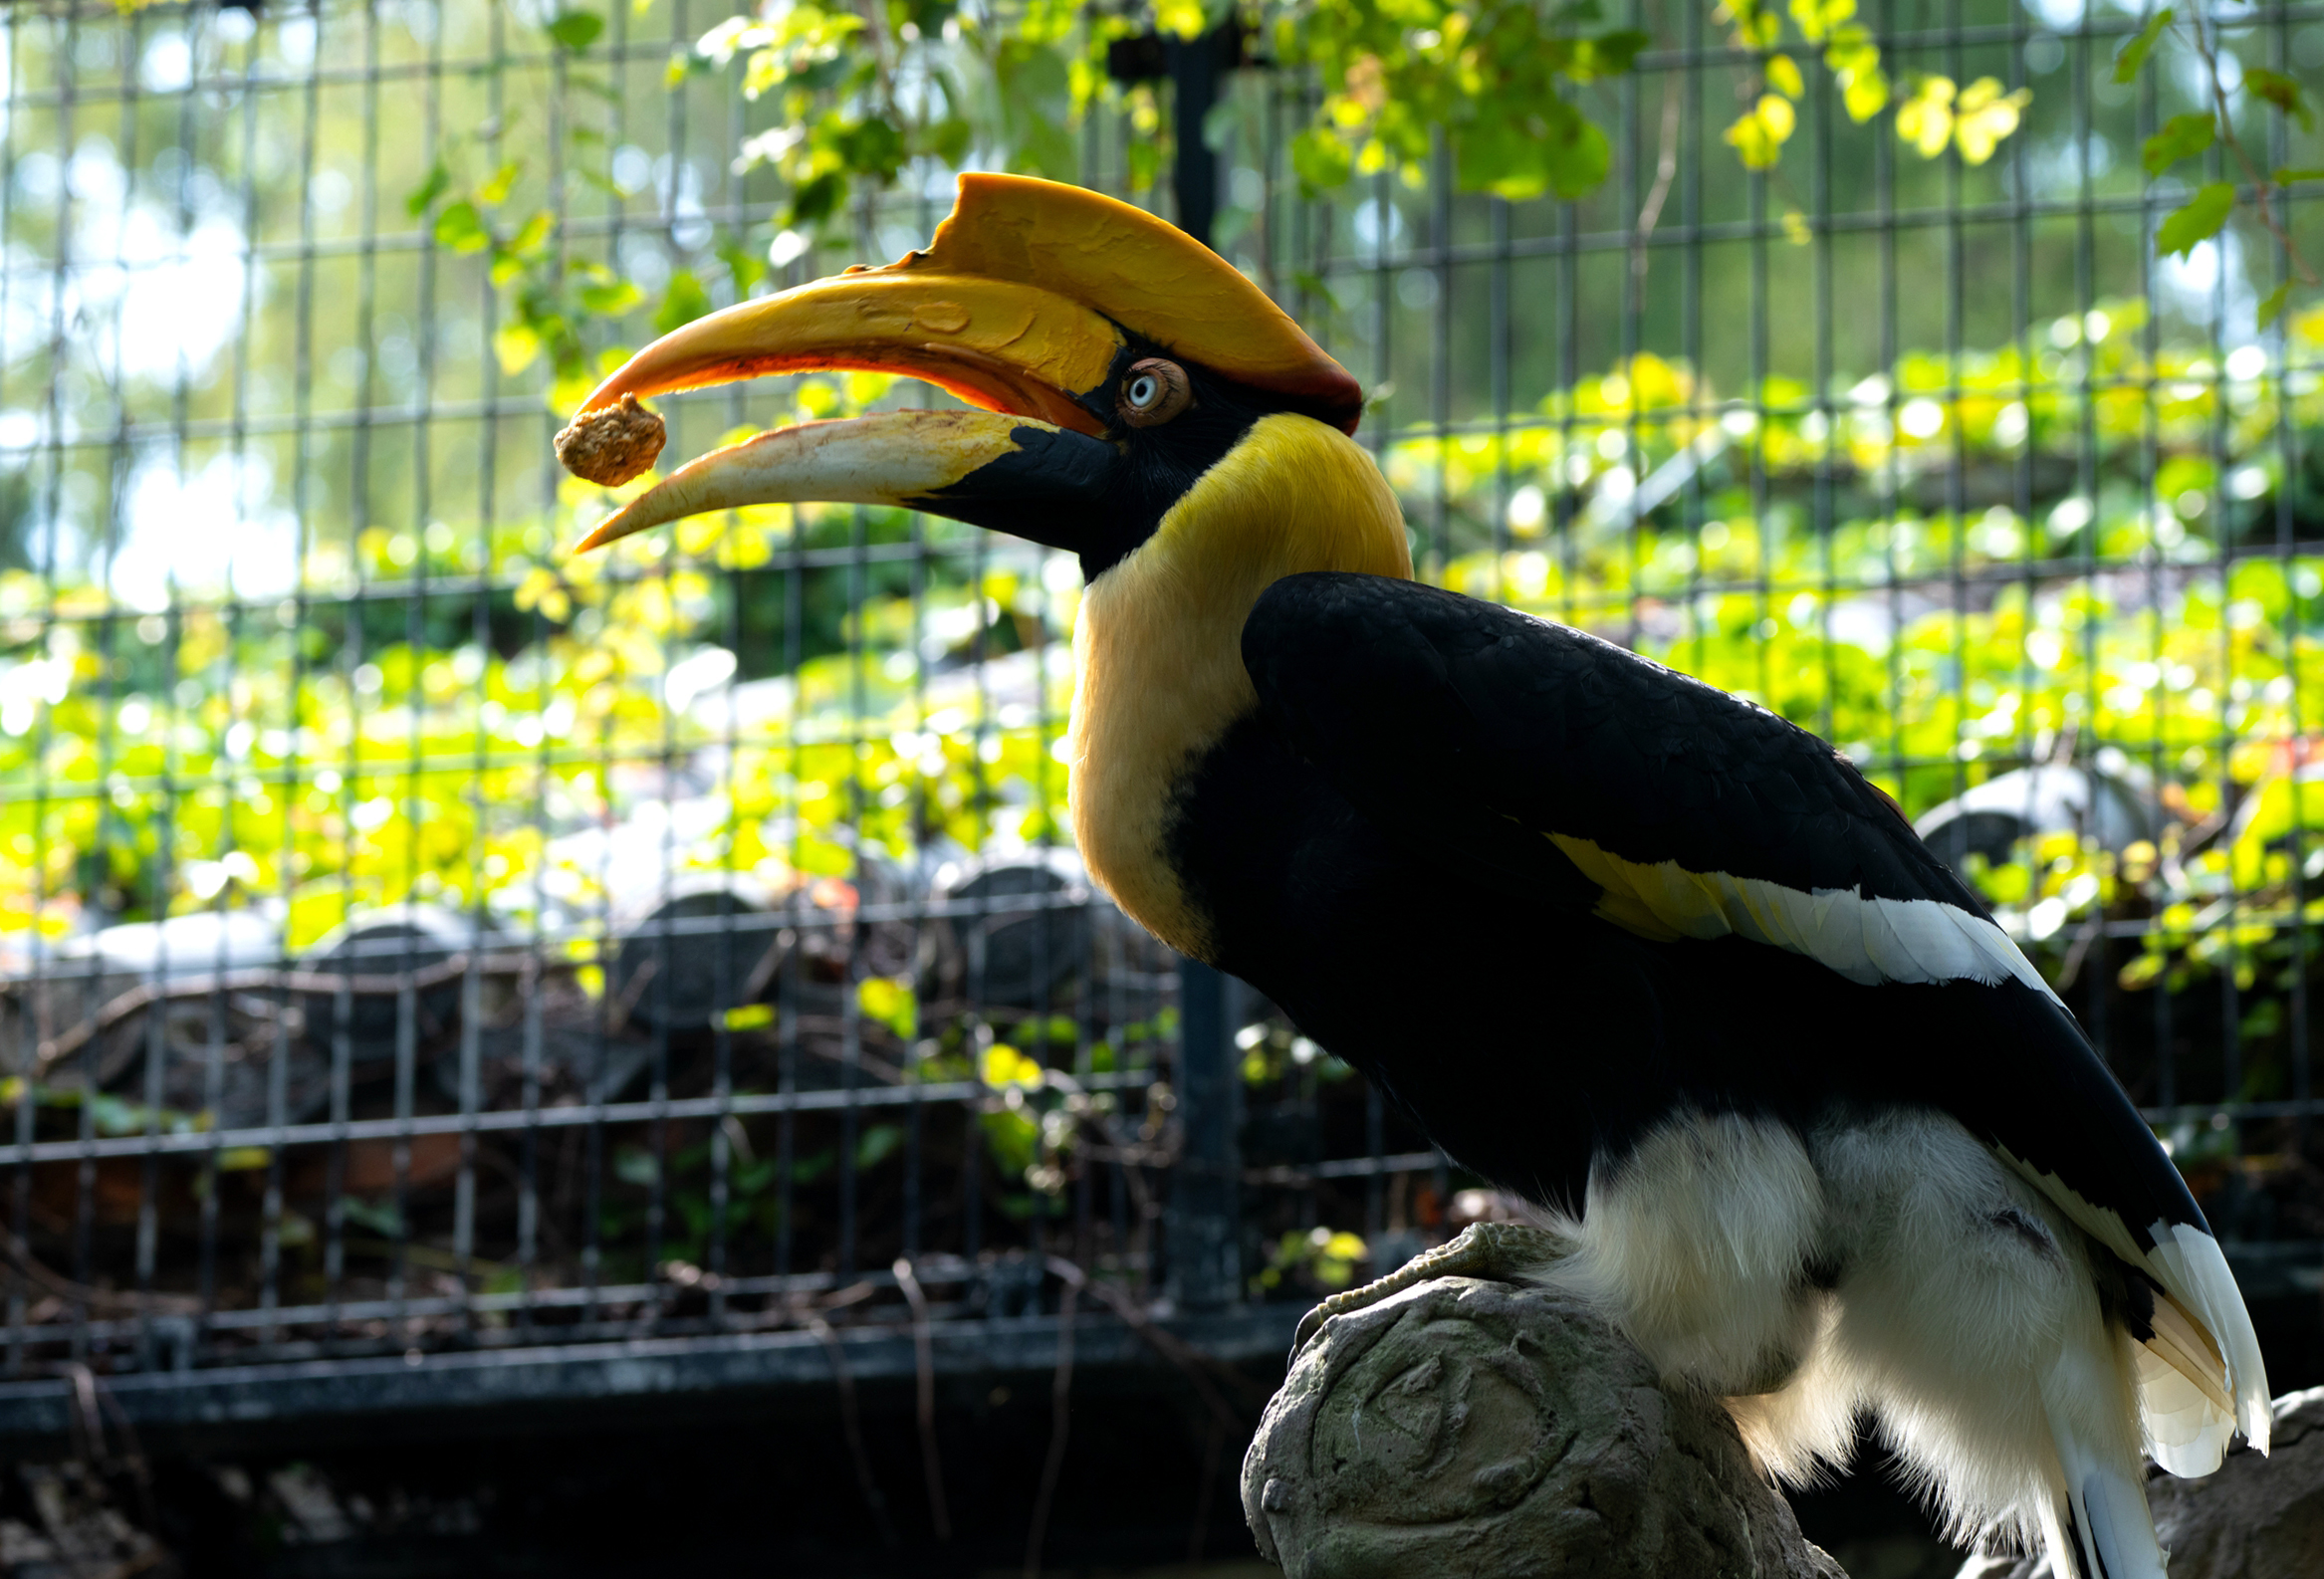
x=1453, y=719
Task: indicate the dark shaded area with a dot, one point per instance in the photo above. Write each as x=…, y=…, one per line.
x=766, y=1478
x=764, y=1482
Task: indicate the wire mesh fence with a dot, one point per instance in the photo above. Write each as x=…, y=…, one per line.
x=417, y=941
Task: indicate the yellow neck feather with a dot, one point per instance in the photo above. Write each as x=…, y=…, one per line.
x=1159, y=640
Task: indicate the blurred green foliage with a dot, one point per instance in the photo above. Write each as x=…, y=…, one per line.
x=178, y=760
x=2118, y=517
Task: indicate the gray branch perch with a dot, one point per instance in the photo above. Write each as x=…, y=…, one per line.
x=1471, y=1428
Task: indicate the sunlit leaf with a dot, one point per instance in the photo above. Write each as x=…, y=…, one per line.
x=1579, y=158
x=433, y=186
x=2198, y=221
x=576, y=30
x=516, y=346
x=2133, y=54
x=1817, y=18
x=1984, y=116
x=746, y=267
x=461, y=228
x=1181, y=19
x=1758, y=134
x=2281, y=91
x=1783, y=76
x=532, y=236
x=683, y=302
x=1318, y=158
x=608, y=297
x=496, y=190
x=1864, y=92
x=2181, y=137
x=1926, y=118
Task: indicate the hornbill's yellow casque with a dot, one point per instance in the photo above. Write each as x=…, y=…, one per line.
x=1650, y=954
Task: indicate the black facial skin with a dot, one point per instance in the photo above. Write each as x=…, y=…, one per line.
x=1101, y=498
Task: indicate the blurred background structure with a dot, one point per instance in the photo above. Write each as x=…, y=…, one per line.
x=589, y=1060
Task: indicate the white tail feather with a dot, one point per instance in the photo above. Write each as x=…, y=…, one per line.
x=2194, y=1272
x=2215, y=1346
x=2185, y=1427
x=2115, y=1537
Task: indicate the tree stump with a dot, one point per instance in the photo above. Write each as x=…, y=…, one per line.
x=1474, y=1428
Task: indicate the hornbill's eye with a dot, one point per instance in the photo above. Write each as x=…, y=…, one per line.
x=1153, y=392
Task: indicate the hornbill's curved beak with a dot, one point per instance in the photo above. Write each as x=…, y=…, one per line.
x=1032, y=303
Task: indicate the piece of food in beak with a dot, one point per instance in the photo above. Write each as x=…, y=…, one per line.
x=612, y=444
x=964, y=464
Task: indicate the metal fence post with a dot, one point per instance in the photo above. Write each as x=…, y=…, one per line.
x=1206, y=1259
x=1206, y=1268
x=1194, y=78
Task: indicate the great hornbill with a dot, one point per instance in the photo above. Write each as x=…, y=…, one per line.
x=1818, y=1136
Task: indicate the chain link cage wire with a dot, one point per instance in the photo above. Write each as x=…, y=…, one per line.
x=419, y=943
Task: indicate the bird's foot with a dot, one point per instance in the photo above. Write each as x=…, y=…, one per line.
x=1497, y=1252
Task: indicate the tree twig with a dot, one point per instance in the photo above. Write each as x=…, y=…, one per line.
x=2259, y=177
x=1665, y=167
x=1164, y=1342
x=852, y=1423
x=924, y=1356
x=20, y=1256
x=1061, y=1418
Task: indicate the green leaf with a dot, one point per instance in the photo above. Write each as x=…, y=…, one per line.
x=831, y=71
x=817, y=200
x=683, y=302
x=529, y=239
x=1318, y=287
x=2272, y=308
x=2181, y=137
x=1758, y=134
x=947, y=140
x=608, y=297
x=576, y=30
x=496, y=190
x=2281, y=91
x=747, y=266
x=871, y=146
x=461, y=228
x=1610, y=55
x=431, y=187
x=1579, y=160
x=516, y=346
x=2286, y=177
x=2198, y=221
x=2134, y=54
x=1320, y=160
x=1145, y=163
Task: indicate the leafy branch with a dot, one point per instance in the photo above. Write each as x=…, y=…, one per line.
x=1496, y=81
x=861, y=87
x=2190, y=135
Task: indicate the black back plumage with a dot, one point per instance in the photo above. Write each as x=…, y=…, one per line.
x=1415, y=747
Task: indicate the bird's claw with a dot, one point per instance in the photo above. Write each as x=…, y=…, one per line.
x=1495, y=1252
